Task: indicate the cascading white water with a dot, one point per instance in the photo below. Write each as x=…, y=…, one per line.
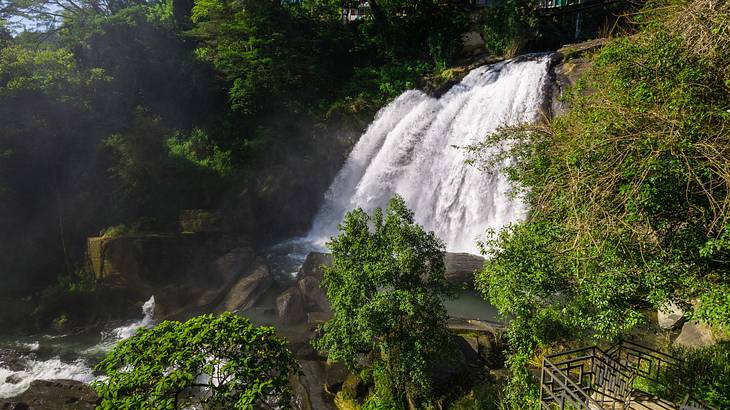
x=411, y=149
x=39, y=359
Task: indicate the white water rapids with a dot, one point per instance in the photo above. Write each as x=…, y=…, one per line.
x=61, y=357
x=411, y=149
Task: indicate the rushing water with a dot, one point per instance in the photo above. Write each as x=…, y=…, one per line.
x=412, y=149
x=73, y=356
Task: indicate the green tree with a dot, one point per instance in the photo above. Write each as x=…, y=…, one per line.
x=386, y=285
x=219, y=362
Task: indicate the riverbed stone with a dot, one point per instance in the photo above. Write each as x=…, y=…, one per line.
x=290, y=307
x=316, y=383
x=671, y=317
x=53, y=395
x=312, y=265
x=314, y=295
x=695, y=334
x=248, y=290
x=318, y=318
x=236, y=261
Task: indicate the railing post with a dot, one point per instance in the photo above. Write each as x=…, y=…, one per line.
x=542, y=379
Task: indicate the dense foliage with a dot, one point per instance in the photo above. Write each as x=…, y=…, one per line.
x=218, y=362
x=628, y=190
x=386, y=285
x=118, y=111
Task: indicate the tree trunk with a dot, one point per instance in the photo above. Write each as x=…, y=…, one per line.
x=381, y=20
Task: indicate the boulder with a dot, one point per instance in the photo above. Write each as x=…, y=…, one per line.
x=318, y=318
x=53, y=395
x=235, y=262
x=472, y=42
x=154, y=260
x=460, y=268
x=314, y=296
x=312, y=265
x=671, y=317
x=695, y=334
x=290, y=307
x=316, y=381
x=248, y=290
x=13, y=379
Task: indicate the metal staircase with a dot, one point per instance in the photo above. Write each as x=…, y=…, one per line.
x=593, y=379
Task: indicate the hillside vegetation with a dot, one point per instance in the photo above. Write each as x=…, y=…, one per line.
x=124, y=113
x=628, y=192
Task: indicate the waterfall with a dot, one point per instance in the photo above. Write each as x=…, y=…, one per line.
x=411, y=149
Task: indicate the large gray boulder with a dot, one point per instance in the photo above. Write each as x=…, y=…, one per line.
x=472, y=43
x=695, y=334
x=235, y=262
x=460, y=268
x=313, y=388
x=314, y=295
x=248, y=290
x=312, y=265
x=290, y=307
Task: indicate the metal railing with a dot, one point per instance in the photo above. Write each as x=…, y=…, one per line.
x=645, y=361
x=597, y=379
x=591, y=378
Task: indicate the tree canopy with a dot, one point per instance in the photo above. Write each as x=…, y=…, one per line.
x=218, y=362
x=386, y=286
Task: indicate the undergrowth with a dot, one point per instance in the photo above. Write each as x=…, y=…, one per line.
x=628, y=192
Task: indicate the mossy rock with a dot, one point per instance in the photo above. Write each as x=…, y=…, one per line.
x=343, y=402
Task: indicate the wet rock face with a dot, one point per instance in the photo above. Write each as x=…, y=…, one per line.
x=574, y=62
x=53, y=395
x=312, y=265
x=315, y=296
x=290, y=307
x=460, y=268
x=246, y=292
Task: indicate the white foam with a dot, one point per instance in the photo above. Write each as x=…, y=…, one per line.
x=42, y=370
x=13, y=382
x=110, y=339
